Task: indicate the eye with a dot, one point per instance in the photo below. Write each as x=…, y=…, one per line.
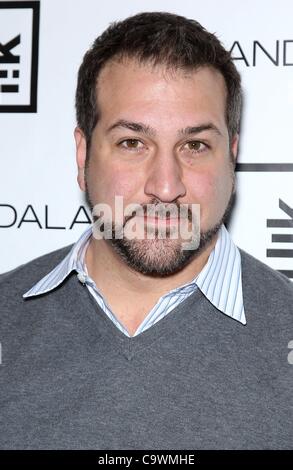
x=131, y=144
x=195, y=146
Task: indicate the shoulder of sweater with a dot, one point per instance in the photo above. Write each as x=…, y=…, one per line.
x=26, y=275
x=256, y=268
x=266, y=290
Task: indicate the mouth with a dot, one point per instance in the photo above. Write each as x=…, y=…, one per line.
x=161, y=220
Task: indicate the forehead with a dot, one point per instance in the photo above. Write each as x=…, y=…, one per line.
x=143, y=90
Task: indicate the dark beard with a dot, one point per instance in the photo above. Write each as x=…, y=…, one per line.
x=139, y=261
x=167, y=258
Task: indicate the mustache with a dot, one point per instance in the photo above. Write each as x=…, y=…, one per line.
x=160, y=210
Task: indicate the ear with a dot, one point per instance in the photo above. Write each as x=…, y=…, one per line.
x=234, y=146
x=80, y=142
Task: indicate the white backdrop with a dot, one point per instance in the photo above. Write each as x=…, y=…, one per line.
x=38, y=173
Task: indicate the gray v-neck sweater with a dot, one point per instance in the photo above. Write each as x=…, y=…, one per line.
x=197, y=379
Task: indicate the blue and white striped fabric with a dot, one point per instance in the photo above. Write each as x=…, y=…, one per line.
x=219, y=280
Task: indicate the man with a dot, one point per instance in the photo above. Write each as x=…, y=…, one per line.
x=135, y=342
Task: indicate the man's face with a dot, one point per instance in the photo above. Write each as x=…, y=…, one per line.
x=146, y=148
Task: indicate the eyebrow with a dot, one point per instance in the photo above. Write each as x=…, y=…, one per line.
x=149, y=131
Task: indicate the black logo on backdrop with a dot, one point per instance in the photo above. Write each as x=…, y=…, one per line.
x=19, y=44
x=10, y=216
x=278, y=55
x=282, y=237
x=281, y=54
x=262, y=167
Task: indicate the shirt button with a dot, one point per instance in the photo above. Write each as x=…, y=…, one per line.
x=81, y=277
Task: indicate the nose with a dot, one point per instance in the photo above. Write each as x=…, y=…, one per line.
x=164, y=180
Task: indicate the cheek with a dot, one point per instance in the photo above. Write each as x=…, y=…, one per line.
x=214, y=185
x=204, y=187
x=105, y=182
x=212, y=191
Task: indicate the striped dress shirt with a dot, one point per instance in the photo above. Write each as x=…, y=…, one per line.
x=219, y=280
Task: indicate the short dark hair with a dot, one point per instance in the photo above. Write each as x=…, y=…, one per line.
x=157, y=38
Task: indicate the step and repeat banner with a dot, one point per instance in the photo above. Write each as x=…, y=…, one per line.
x=41, y=47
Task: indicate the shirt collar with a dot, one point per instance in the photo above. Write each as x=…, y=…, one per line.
x=220, y=279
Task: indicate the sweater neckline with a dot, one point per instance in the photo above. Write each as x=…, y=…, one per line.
x=174, y=323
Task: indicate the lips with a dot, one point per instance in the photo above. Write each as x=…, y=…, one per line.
x=160, y=220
